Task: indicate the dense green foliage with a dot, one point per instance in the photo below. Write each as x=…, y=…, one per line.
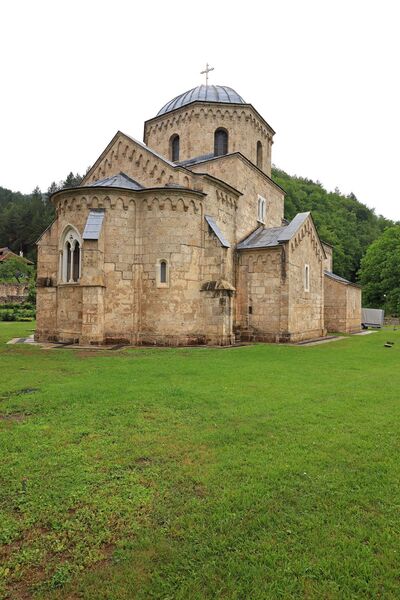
x=380, y=272
x=24, y=217
x=342, y=221
x=260, y=472
x=15, y=270
x=17, y=312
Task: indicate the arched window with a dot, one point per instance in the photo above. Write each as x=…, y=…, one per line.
x=261, y=209
x=70, y=256
x=259, y=155
x=220, y=142
x=163, y=271
x=174, y=147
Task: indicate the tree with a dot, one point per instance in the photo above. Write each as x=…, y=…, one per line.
x=342, y=221
x=380, y=272
x=15, y=269
x=72, y=180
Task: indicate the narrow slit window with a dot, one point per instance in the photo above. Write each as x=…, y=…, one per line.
x=174, y=144
x=163, y=271
x=259, y=155
x=76, y=261
x=261, y=209
x=68, y=261
x=306, y=278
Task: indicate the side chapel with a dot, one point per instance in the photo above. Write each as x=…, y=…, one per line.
x=182, y=240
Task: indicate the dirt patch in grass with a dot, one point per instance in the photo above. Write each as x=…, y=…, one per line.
x=143, y=461
x=14, y=417
x=21, y=392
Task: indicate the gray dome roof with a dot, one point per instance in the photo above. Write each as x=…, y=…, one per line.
x=203, y=93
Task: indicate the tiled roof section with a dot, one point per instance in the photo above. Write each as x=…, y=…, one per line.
x=6, y=253
x=196, y=159
x=120, y=181
x=294, y=225
x=340, y=279
x=262, y=238
x=217, y=231
x=203, y=93
x=93, y=224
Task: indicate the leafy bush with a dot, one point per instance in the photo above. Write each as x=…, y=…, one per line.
x=17, y=312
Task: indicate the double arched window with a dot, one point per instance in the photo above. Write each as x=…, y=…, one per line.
x=174, y=147
x=220, y=142
x=70, y=256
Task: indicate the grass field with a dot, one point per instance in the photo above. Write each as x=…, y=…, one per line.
x=247, y=473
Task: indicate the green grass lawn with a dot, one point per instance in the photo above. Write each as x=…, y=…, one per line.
x=248, y=473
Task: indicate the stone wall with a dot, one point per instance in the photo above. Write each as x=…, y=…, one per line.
x=306, y=306
x=13, y=293
x=248, y=180
x=196, y=124
x=261, y=289
x=119, y=297
x=138, y=162
x=328, y=261
x=273, y=302
x=342, y=306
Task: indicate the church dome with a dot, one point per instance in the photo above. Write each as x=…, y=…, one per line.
x=203, y=93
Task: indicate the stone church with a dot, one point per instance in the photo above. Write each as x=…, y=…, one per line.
x=182, y=240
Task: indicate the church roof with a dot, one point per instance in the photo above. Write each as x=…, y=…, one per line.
x=203, y=93
x=6, y=254
x=94, y=224
x=211, y=222
x=267, y=237
x=120, y=181
x=340, y=279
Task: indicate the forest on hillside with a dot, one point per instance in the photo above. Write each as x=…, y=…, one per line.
x=24, y=217
x=343, y=221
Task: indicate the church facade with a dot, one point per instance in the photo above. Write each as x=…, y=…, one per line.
x=181, y=240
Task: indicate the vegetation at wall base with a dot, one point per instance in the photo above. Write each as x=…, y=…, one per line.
x=17, y=312
x=260, y=472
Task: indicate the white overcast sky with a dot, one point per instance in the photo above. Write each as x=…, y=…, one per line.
x=323, y=73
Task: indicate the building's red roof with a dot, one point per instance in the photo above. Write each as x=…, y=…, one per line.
x=6, y=253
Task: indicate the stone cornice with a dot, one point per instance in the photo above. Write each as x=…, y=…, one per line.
x=222, y=106
x=76, y=199
x=98, y=191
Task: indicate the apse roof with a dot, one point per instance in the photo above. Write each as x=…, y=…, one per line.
x=120, y=181
x=203, y=93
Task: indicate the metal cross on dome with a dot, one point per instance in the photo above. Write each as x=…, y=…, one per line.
x=206, y=71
